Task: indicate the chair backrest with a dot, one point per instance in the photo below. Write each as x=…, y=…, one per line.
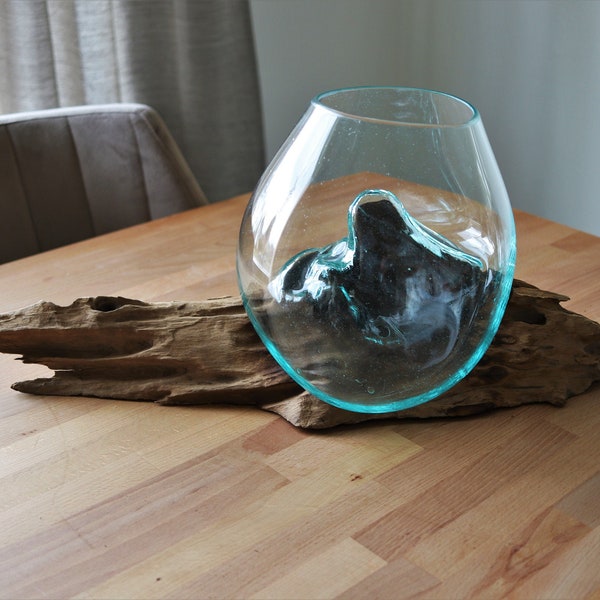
x=72, y=173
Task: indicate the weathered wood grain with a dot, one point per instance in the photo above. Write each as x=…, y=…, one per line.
x=171, y=353
x=191, y=353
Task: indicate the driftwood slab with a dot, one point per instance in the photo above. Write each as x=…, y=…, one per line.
x=193, y=353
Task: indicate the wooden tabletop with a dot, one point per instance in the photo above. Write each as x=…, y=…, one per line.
x=113, y=499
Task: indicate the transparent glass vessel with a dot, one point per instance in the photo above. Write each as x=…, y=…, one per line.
x=376, y=254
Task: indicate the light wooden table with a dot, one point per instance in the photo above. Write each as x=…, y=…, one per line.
x=109, y=499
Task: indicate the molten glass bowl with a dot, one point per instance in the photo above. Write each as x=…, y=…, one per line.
x=377, y=252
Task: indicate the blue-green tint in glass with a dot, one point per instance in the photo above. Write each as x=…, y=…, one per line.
x=377, y=252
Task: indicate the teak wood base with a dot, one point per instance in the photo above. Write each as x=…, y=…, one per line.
x=193, y=353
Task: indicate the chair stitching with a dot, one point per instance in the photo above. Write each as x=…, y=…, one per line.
x=141, y=168
x=167, y=155
x=24, y=189
x=81, y=177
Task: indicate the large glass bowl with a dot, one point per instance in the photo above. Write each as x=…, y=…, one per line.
x=376, y=254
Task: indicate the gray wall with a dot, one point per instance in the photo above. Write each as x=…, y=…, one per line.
x=532, y=68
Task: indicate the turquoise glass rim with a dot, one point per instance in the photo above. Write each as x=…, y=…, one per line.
x=474, y=115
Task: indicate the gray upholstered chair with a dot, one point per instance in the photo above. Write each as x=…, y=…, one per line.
x=68, y=174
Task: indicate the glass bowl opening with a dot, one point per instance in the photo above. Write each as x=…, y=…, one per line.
x=400, y=106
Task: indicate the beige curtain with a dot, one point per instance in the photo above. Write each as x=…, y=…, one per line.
x=191, y=60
